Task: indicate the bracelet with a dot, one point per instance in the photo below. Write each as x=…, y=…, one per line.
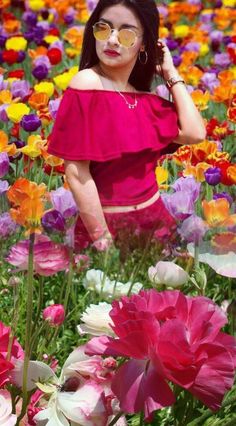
x=174, y=80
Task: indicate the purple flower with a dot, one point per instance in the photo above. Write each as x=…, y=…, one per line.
x=4, y=185
x=193, y=229
x=4, y=164
x=213, y=175
x=21, y=56
x=7, y=225
x=3, y=114
x=30, y=122
x=177, y=60
x=210, y=80
x=188, y=184
x=216, y=35
x=63, y=201
x=3, y=40
x=53, y=221
x=193, y=46
x=30, y=18
x=3, y=84
x=91, y=4
x=222, y=59
x=20, y=89
x=42, y=60
x=223, y=195
x=40, y=72
x=54, y=105
x=180, y=204
x=172, y=44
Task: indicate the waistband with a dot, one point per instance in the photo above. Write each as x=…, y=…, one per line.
x=121, y=209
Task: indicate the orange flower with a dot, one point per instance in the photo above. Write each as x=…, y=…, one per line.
x=183, y=154
x=34, y=53
x=51, y=160
x=217, y=157
x=224, y=242
x=26, y=197
x=222, y=93
x=45, y=116
x=196, y=171
x=226, y=77
x=74, y=36
x=223, y=18
x=11, y=25
x=4, y=146
x=231, y=114
x=217, y=213
x=231, y=173
x=5, y=97
x=200, y=99
x=38, y=100
x=193, y=75
x=202, y=150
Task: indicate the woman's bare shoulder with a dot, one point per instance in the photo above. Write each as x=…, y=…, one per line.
x=86, y=79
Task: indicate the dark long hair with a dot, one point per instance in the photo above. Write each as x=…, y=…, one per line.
x=142, y=75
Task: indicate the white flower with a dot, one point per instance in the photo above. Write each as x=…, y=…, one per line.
x=6, y=416
x=96, y=320
x=98, y=281
x=167, y=273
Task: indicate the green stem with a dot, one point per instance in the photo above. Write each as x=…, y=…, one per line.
x=196, y=255
x=14, y=321
x=70, y=278
x=209, y=413
x=29, y=311
x=50, y=179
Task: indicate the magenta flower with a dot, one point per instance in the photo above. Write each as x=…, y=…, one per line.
x=54, y=314
x=168, y=337
x=49, y=257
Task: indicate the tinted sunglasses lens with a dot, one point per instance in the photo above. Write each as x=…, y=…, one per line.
x=101, y=31
x=127, y=37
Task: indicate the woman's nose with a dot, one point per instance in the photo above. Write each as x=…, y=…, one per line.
x=113, y=38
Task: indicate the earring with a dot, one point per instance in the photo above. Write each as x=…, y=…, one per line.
x=145, y=59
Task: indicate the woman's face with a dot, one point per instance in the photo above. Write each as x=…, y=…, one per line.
x=111, y=52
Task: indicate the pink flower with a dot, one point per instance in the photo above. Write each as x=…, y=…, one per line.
x=168, y=336
x=54, y=314
x=49, y=257
x=6, y=416
x=16, y=353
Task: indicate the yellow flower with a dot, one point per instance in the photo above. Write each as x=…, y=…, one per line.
x=15, y=112
x=229, y=3
x=51, y=39
x=45, y=87
x=204, y=49
x=73, y=70
x=161, y=175
x=62, y=80
x=201, y=99
x=36, y=5
x=163, y=32
x=5, y=97
x=16, y=43
x=181, y=31
x=72, y=52
x=34, y=145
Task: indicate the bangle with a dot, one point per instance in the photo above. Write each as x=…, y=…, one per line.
x=174, y=80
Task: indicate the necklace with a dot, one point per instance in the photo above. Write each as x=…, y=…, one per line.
x=130, y=106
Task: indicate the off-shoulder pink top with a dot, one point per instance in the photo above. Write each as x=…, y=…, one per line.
x=122, y=144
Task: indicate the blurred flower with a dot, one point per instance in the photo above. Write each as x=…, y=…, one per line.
x=97, y=280
x=167, y=273
x=36, y=5
x=96, y=320
x=54, y=55
x=53, y=221
x=223, y=195
x=170, y=337
x=20, y=89
x=193, y=229
x=4, y=185
x=7, y=225
x=217, y=213
x=6, y=416
x=213, y=175
x=54, y=314
x=188, y=184
x=4, y=164
x=40, y=72
x=224, y=242
x=30, y=122
x=181, y=31
x=161, y=175
x=217, y=130
x=200, y=99
x=5, y=367
x=16, y=43
x=180, y=204
x=222, y=59
x=15, y=112
x=63, y=201
x=38, y=100
x=10, y=56
x=49, y=257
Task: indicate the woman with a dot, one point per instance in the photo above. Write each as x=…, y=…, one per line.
x=111, y=129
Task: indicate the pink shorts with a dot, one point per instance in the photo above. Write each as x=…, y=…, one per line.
x=154, y=219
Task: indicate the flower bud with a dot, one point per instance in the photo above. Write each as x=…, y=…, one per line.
x=54, y=314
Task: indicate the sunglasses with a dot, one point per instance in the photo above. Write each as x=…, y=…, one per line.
x=126, y=37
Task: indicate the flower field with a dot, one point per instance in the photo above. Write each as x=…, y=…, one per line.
x=138, y=333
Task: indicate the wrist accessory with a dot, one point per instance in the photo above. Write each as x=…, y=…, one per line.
x=174, y=80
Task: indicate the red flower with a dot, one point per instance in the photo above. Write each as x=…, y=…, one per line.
x=10, y=56
x=169, y=337
x=217, y=130
x=54, y=55
x=16, y=73
x=224, y=167
x=54, y=31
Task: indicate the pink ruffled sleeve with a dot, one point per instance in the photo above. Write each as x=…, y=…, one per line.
x=97, y=125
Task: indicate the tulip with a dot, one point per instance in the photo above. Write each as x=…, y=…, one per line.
x=10, y=56
x=15, y=112
x=180, y=204
x=45, y=87
x=63, y=201
x=30, y=122
x=188, y=184
x=4, y=164
x=193, y=229
x=16, y=43
x=53, y=221
x=40, y=72
x=20, y=89
x=4, y=185
x=213, y=175
x=167, y=273
x=54, y=314
x=54, y=55
x=223, y=195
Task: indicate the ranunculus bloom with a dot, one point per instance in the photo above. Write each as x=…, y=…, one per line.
x=16, y=353
x=168, y=337
x=96, y=320
x=6, y=416
x=167, y=273
x=54, y=314
x=49, y=257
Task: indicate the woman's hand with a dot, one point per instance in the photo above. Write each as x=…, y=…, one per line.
x=166, y=68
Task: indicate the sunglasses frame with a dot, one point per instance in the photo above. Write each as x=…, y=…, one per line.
x=113, y=29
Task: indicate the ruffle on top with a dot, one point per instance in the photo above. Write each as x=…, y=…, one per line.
x=97, y=125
